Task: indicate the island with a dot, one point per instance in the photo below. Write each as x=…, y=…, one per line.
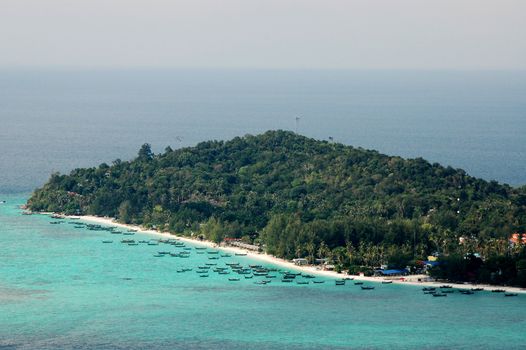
x=317, y=201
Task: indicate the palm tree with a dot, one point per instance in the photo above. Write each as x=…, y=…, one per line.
x=311, y=250
x=299, y=250
x=350, y=251
x=323, y=250
x=340, y=254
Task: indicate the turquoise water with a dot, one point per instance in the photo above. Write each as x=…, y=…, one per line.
x=61, y=287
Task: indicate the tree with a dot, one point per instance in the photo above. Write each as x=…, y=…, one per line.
x=323, y=250
x=310, y=247
x=125, y=212
x=145, y=153
x=303, y=197
x=340, y=255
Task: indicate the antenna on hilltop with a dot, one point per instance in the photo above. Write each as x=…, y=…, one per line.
x=179, y=141
x=297, y=123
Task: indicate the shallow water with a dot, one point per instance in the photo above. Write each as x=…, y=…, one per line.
x=61, y=287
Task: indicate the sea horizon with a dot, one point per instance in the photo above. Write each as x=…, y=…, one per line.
x=62, y=287
x=466, y=119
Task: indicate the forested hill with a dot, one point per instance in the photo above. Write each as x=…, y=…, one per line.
x=293, y=193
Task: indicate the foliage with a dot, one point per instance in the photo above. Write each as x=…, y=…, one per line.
x=301, y=197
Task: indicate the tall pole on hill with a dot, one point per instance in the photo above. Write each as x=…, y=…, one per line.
x=297, y=123
x=414, y=243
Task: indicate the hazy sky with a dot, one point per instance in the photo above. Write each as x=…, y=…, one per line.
x=423, y=34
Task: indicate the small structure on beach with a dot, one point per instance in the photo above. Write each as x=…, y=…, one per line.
x=391, y=272
x=329, y=267
x=300, y=261
x=236, y=242
x=320, y=261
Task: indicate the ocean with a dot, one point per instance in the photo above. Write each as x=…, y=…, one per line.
x=59, y=120
x=62, y=288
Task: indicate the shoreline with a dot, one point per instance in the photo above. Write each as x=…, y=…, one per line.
x=310, y=269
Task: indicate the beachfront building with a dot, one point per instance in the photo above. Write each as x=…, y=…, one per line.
x=329, y=267
x=300, y=261
x=236, y=242
x=391, y=272
x=518, y=238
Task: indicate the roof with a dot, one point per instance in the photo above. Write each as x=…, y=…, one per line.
x=392, y=272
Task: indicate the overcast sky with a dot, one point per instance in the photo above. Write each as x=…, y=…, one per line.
x=327, y=34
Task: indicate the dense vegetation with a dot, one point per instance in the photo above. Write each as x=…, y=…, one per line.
x=299, y=197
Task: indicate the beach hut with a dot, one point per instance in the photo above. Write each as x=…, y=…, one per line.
x=300, y=261
x=392, y=272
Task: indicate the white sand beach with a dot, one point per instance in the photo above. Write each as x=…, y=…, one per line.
x=416, y=280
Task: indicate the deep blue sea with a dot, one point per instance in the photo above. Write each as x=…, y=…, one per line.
x=59, y=120
x=62, y=288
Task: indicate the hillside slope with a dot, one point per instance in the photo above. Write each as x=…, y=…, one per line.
x=297, y=195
